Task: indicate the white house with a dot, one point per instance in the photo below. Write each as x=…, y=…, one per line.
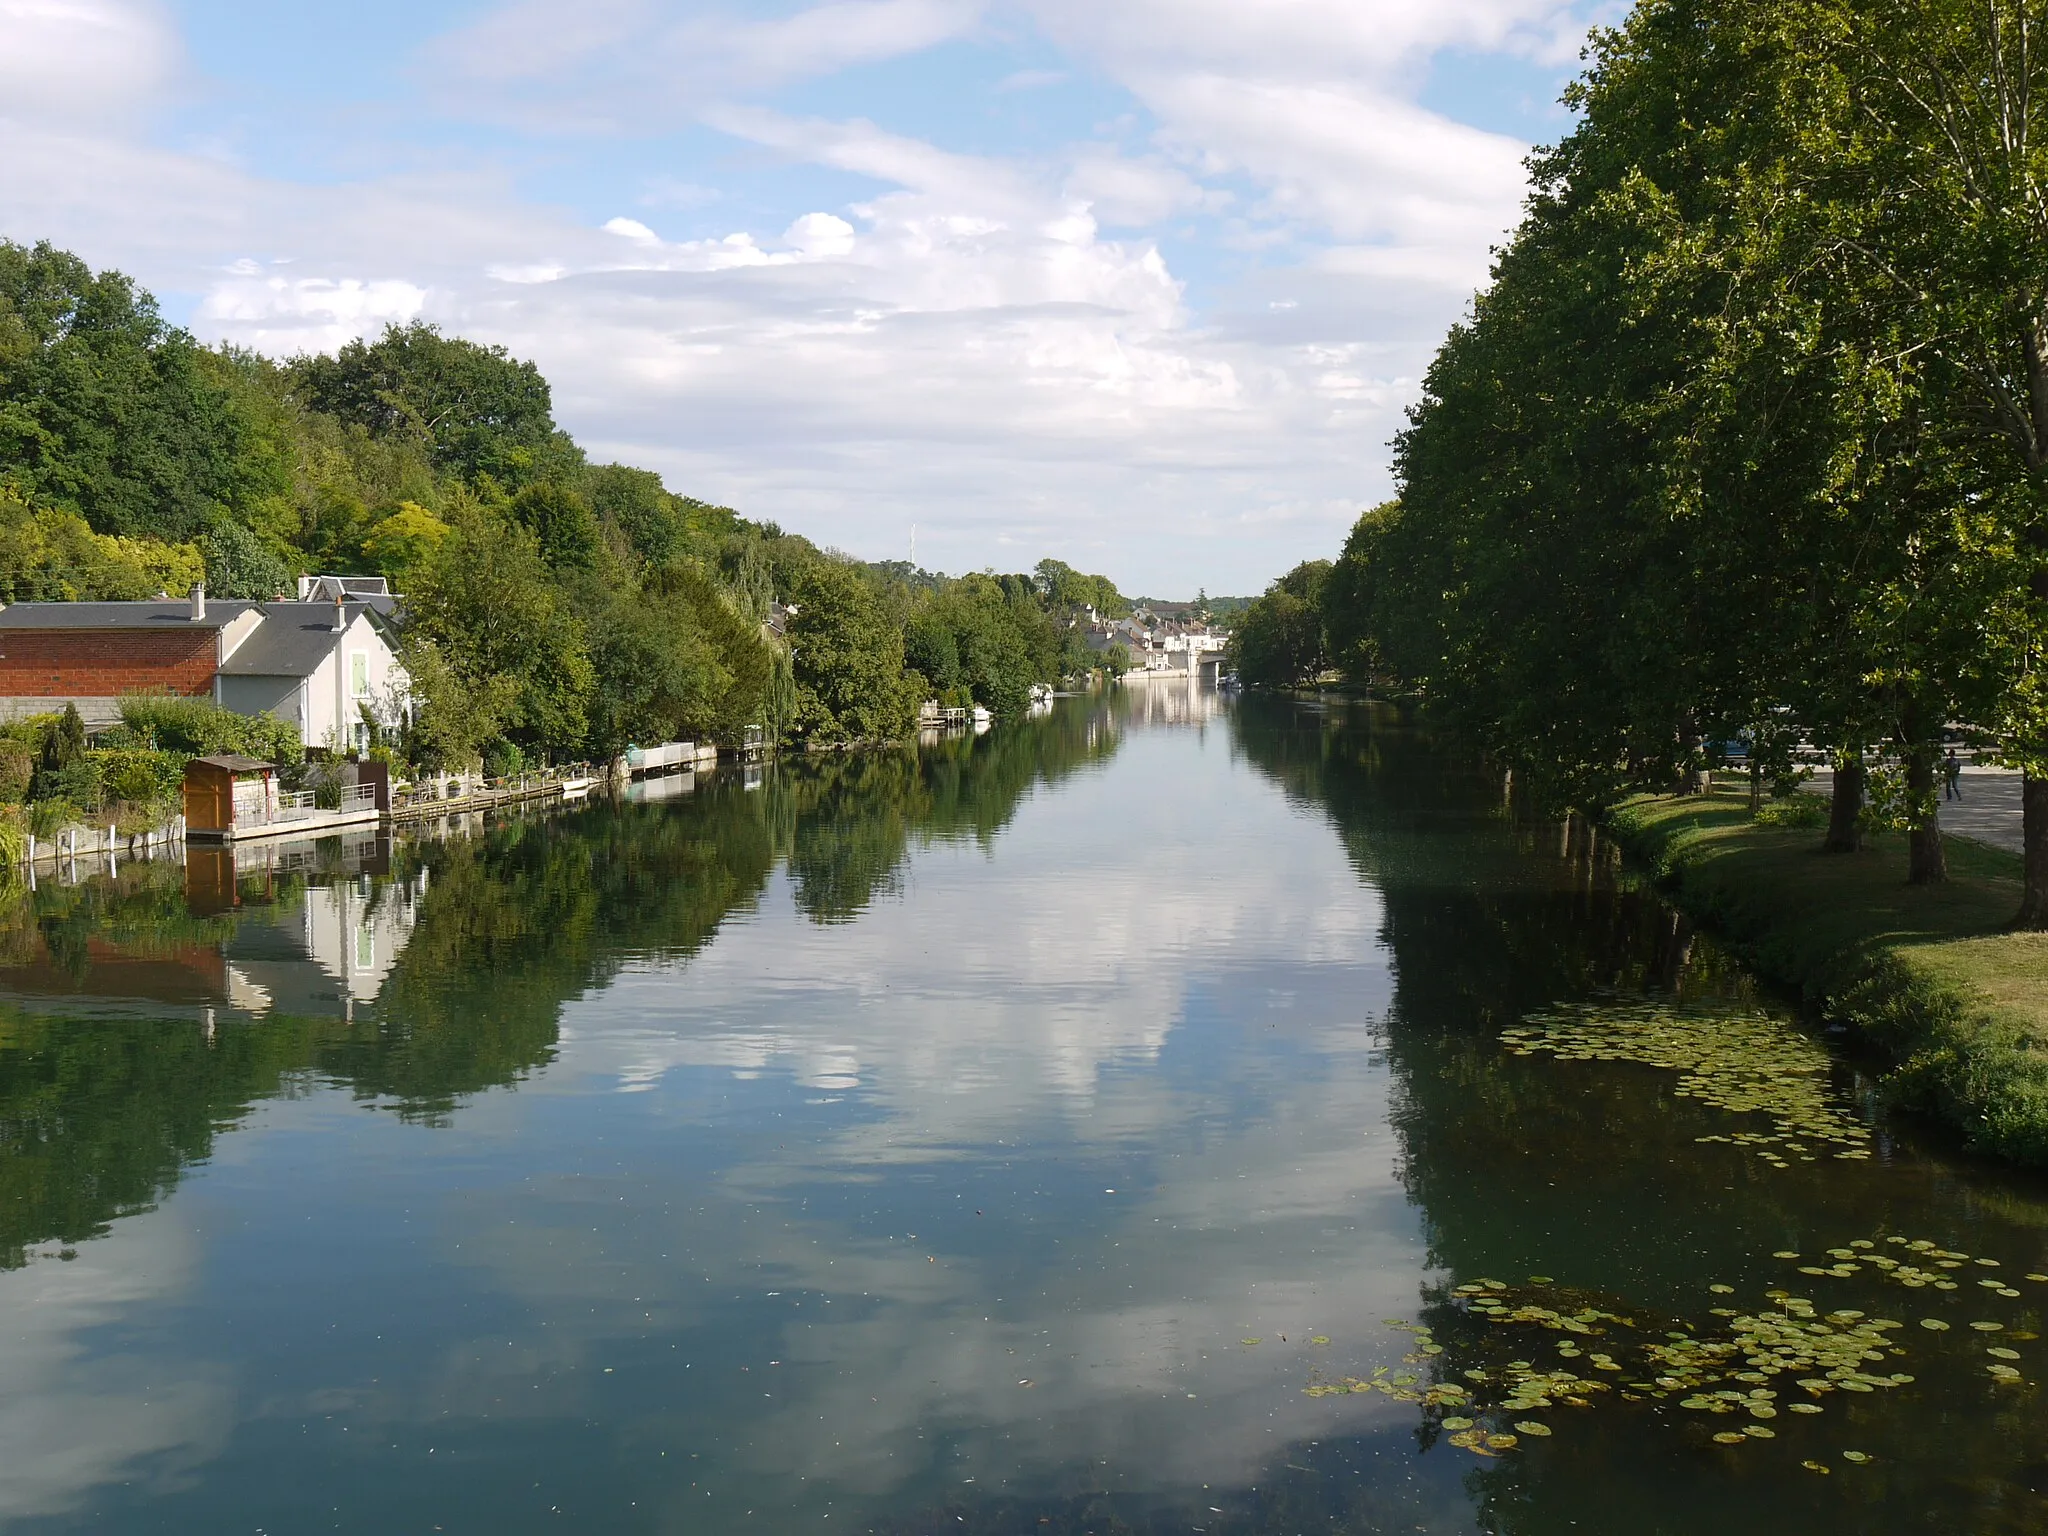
x=320, y=665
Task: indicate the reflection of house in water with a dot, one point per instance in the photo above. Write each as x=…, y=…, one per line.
x=306, y=929
x=1172, y=701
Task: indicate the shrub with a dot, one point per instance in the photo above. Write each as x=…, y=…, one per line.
x=201, y=728
x=46, y=818
x=76, y=784
x=1794, y=811
x=140, y=776
x=503, y=759
x=13, y=844
x=17, y=769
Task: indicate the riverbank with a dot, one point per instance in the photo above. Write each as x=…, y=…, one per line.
x=1928, y=976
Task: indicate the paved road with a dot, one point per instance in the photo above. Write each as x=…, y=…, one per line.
x=1988, y=811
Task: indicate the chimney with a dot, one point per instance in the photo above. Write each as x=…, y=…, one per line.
x=198, y=602
x=340, y=614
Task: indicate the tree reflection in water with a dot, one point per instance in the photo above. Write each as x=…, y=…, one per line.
x=123, y=1054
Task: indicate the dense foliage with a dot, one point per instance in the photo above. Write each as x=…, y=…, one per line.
x=1745, y=444
x=554, y=608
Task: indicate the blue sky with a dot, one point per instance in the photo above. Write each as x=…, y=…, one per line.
x=1144, y=284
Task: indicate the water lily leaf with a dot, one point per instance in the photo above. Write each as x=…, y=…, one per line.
x=1855, y=1456
x=1531, y=1427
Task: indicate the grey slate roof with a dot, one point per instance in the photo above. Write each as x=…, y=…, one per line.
x=161, y=614
x=292, y=641
x=374, y=592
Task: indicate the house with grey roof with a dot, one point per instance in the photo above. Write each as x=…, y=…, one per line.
x=318, y=663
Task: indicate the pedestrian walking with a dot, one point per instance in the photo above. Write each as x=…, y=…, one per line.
x=1952, y=775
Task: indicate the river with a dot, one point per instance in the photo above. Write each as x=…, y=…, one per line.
x=1102, y=1125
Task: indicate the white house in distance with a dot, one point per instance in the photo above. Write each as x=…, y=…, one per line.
x=1172, y=646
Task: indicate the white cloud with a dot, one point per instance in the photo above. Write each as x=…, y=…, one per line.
x=995, y=346
x=617, y=65
x=1134, y=192
x=1041, y=1022
x=284, y=315
x=64, y=60
x=73, y=1414
x=1351, y=163
x=1303, y=40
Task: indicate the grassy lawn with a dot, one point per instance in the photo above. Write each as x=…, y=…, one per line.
x=1927, y=973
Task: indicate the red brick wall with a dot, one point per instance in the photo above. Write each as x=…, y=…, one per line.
x=60, y=663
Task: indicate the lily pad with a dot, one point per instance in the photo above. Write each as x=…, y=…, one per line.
x=1531, y=1427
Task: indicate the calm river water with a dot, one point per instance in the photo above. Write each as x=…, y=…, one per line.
x=1054, y=1132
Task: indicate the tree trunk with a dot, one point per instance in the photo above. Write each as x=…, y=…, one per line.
x=1845, y=806
x=1689, y=781
x=2034, y=858
x=1926, y=860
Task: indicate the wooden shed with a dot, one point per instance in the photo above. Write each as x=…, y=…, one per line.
x=227, y=793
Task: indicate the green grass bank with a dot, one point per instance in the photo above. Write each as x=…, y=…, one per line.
x=1928, y=975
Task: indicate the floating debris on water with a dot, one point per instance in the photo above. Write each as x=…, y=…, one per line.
x=1785, y=1356
x=1744, y=1062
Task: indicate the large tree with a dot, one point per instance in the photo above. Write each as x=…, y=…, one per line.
x=477, y=409
x=1939, y=149
x=105, y=410
x=848, y=660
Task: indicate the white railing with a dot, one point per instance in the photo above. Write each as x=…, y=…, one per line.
x=292, y=805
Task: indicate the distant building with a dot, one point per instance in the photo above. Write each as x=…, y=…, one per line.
x=1164, y=647
x=317, y=663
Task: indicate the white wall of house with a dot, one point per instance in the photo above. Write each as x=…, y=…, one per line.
x=361, y=670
